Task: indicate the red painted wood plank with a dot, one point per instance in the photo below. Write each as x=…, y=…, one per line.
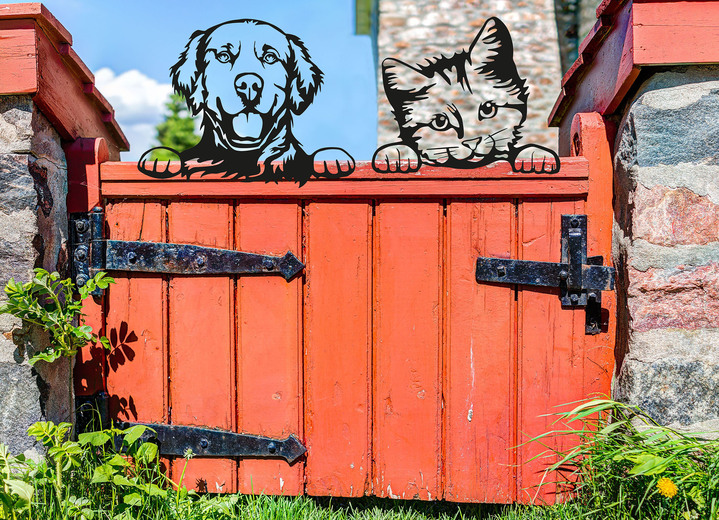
x=480, y=368
x=201, y=340
x=83, y=158
x=407, y=350
x=269, y=355
x=606, y=80
x=571, y=168
x=136, y=322
x=18, y=50
x=551, y=345
x=37, y=11
x=668, y=33
x=430, y=189
x=595, y=138
x=337, y=346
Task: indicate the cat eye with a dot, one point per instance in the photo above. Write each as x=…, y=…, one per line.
x=223, y=57
x=487, y=110
x=439, y=122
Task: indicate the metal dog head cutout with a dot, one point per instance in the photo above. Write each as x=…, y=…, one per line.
x=246, y=79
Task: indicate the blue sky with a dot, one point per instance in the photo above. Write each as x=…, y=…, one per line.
x=131, y=44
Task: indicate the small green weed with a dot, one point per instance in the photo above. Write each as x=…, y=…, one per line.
x=50, y=303
x=627, y=466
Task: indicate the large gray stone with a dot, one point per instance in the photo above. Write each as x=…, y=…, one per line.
x=668, y=146
x=33, y=233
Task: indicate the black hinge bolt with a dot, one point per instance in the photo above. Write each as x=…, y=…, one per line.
x=272, y=447
x=267, y=264
x=204, y=443
x=132, y=257
x=81, y=225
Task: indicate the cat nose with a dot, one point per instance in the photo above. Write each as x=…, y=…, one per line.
x=472, y=144
x=248, y=86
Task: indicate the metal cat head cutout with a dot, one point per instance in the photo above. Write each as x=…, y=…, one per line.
x=462, y=111
x=247, y=79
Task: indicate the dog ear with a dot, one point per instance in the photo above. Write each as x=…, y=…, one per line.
x=185, y=74
x=305, y=76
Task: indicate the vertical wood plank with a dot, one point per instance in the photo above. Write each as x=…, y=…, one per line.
x=201, y=330
x=593, y=135
x=137, y=363
x=337, y=346
x=551, y=345
x=269, y=357
x=84, y=158
x=407, y=389
x=480, y=367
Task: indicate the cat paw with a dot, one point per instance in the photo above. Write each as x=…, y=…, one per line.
x=535, y=159
x=332, y=162
x=395, y=158
x=161, y=169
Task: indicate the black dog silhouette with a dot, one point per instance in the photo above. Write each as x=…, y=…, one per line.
x=247, y=79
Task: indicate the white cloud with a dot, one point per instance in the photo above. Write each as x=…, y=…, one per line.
x=139, y=103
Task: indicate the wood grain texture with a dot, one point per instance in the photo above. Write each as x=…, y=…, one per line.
x=337, y=345
x=551, y=345
x=407, y=358
x=136, y=322
x=269, y=352
x=594, y=137
x=480, y=368
x=201, y=341
x=83, y=158
x=18, y=49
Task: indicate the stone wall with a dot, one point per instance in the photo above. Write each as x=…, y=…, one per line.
x=667, y=248
x=412, y=30
x=33, y=231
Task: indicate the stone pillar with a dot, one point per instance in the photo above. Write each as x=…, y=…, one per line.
x=666, y=242
x=33, y=232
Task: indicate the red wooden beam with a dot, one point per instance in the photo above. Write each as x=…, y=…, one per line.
x=627, y=37
x=36, y=58
x=123, y=179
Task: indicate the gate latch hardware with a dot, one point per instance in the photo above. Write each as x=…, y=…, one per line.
x=205, y=442
x=92, y=253
x=580, y=279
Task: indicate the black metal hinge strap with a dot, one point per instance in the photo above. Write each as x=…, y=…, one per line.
x=206, y=442
x=159, y=257
x=580, y=279
x=548, y=274
x=92, y=253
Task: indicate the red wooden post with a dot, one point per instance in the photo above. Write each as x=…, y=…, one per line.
x=84, y=157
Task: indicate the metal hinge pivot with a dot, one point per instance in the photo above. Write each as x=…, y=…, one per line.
x=580, y=279
x=92, y=253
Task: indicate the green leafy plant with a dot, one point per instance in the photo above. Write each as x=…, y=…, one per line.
x=16, y=491
x=623, y=464
x=49, y=302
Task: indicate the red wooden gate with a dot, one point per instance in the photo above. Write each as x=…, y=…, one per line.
x=401, y=374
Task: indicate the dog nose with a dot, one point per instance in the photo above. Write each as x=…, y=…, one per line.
x=248, y=87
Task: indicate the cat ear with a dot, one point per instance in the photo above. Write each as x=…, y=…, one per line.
x=397, y=75
x=492, y=47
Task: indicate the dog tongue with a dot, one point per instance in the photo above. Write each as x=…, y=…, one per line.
x=247, y=125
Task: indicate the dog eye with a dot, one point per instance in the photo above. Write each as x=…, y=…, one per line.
x=269, y=57
x=223, y=57
x=439, y=122
x=487, y=110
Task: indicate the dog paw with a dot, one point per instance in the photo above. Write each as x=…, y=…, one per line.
x=332, y=162
x=535, y=159
x=396, y=157
x=160, y=169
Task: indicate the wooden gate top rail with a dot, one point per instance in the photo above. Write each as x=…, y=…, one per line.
x=122, y=179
